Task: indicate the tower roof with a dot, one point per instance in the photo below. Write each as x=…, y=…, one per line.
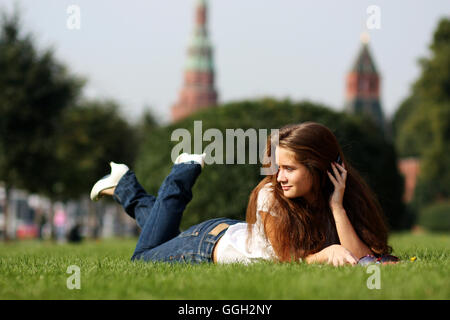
x=364, y=62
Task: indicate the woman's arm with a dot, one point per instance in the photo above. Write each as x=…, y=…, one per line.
x=347, y=235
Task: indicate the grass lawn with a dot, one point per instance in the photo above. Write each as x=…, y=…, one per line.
x=38, y=270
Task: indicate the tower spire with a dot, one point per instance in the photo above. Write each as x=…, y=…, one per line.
x=363, y=85
x=198, y=90
x=365, y=37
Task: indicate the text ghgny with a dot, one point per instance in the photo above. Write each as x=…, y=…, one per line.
x=216, y=146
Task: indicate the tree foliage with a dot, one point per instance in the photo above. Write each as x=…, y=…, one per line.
x=92, y=134
x=422, y=122
x=53, y=142
x=34, y=91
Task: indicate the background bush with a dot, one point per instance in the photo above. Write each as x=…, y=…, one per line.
x=223, y=190
x=435, y=217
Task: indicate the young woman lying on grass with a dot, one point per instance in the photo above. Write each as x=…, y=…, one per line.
x=315, y=208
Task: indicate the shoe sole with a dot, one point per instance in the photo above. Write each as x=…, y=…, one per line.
x=109, y=181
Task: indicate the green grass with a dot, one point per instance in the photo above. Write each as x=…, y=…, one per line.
x=35, y=270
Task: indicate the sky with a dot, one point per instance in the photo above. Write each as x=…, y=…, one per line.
x=134, y=51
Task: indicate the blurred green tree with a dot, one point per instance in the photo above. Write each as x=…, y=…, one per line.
x=422, y=122
x=223, y=189
x=34, y=91
x=145, y=125
x=91, y=134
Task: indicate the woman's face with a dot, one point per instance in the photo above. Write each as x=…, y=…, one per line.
x=293, y=177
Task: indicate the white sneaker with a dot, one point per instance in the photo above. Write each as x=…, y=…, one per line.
x=186, y=157
x=109, y=181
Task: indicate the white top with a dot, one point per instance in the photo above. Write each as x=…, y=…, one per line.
x=232, y=247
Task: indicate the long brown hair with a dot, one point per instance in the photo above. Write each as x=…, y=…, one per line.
x=303, y=228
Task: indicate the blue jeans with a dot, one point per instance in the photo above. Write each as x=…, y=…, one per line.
x=160, y=217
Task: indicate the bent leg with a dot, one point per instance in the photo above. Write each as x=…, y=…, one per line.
x=164, y=219
x=135, y=200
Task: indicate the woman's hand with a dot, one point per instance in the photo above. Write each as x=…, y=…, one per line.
x=339, y=255
x=335, y=254
x=338, y=180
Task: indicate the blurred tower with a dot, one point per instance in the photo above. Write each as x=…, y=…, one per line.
x=363, y=86
x=198, y=91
